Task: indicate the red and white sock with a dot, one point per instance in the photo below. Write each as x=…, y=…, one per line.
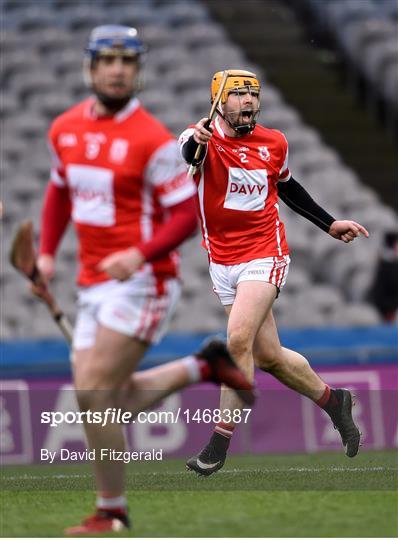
x=226, y=430
x=114, y=504
x=198, y=370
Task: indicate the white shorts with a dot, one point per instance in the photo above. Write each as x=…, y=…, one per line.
x=132, y=307
x=226, y=278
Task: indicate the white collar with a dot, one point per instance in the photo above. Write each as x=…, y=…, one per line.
x=218, y=127
x=131, y=106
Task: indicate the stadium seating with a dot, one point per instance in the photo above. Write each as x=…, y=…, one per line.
x=365, y=33
x=327, y=283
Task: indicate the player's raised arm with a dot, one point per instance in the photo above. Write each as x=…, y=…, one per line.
x=191, y=138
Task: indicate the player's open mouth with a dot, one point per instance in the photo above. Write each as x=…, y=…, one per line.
x=247, y=115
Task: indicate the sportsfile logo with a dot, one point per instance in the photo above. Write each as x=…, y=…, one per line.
x=247, y=189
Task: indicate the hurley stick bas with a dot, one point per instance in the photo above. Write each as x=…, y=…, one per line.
x=23, y=258
x=213, y=110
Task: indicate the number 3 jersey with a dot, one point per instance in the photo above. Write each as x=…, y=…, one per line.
x=122, y=173
x=238, y=197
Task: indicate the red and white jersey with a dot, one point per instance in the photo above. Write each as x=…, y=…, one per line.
x=238, y=197
x=122, y=172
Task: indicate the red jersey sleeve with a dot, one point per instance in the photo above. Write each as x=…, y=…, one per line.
x=57, y=206
x=54, y=219
x=57, y=174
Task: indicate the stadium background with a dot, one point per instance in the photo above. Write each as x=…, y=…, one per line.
x=330, y=82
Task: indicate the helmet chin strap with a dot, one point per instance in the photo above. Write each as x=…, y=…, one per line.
x=244, y=129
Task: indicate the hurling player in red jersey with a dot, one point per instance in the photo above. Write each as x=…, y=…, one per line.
x=118, y=176
x=242, y=172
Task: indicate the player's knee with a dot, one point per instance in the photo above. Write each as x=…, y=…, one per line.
x=94, y=386
x=239, y=343
x=96, y=400
x=99, y=378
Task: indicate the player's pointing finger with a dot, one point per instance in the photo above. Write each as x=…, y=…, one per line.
x=362, y=229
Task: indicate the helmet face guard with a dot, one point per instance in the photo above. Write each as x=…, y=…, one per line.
x=112, y=40
x=238, y=81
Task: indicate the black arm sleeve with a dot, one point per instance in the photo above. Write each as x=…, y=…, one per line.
x=298, y=199
x=189, y=149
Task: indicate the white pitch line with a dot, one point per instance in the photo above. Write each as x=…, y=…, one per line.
x=45, y=476
x=229, y=472
x=313, y=469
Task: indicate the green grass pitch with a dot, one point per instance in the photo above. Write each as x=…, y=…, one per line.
x=267, y=496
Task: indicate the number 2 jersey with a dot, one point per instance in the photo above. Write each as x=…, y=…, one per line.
x=123, y=172
x=238, y=197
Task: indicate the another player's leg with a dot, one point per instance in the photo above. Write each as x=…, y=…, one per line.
x=99, y=373
x=294, y=371
x=212, y=363
x=100, y=379
x=252, y=303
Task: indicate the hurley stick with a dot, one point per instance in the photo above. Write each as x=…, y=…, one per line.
x=23, y=258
